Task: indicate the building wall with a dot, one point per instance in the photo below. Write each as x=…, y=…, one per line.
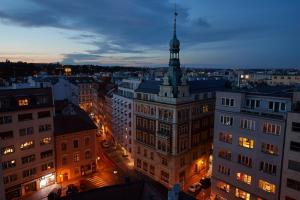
x=227, y=175
x=284, y=80
x=181, y=158
x=37, y=179
x=67, y=166
x=291, y=161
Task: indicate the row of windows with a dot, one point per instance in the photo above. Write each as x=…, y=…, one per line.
x=24, y=146
x=269, y=128
x=64, y=145
x=24, y=131
x=7, y=119
x=263, y=185
x=76, y=157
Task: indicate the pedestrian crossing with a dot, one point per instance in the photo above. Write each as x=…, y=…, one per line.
x=97, y=181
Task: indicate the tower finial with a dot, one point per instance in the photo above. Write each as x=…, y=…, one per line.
x=175, y=14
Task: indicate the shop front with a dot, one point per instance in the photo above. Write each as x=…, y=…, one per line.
x=47, y=180
x=88, y=169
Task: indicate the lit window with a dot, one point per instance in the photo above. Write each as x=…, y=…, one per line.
x=242, y=194
x=46, y=140
x=269, y=148
x=23, y=102
x=27, y=145
x=205, y=108
x=76, y=157
x=223, y=186
x=266, y=186
x=243, y=177
x=245, y=142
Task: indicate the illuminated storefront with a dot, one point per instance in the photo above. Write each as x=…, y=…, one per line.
x=47, y=180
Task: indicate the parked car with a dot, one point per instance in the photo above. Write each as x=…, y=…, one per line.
x=54, y=194
x=205, y=182
x=83, y=184
x=72, y=189
x=195, y=187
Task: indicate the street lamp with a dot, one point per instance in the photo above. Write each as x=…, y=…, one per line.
x=61, y=181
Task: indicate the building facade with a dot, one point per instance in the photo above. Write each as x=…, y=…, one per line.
x=290, y=184
x=284, y=79
x=27, y=143
x=122, y=124
x=173, y=122
x=249, y=134
x=75, y=142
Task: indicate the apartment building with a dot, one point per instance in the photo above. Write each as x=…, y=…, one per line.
x=87, y=88
x=122, y=124
x=249, y=135
x=173, y=122
x=283, y=79
x=27, y=143
x=290, y=184
x=75, y=142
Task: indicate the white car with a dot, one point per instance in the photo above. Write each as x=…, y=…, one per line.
x=195, y=187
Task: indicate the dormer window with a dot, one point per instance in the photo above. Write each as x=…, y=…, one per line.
x=23, y=102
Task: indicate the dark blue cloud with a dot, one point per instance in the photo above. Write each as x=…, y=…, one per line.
x=131, y=26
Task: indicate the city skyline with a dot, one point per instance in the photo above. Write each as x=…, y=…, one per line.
x=244, y=34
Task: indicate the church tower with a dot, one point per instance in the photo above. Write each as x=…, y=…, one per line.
x=174, y=81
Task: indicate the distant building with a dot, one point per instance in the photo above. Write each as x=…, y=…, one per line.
x=249, y=135
x=173, y=121
x=122, y=123
x=284, y=79
x=27, y=142
x=290, y=184
x=75, y=142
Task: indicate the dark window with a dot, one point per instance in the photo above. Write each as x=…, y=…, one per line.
x=46, y=154
x=8, y=164
x=28, y=159
x=44, y=114
x=75, y=143
x=25, y=117
x=293, y=184
x=6, y=135
x=296, y=126
x=294, y=165
x=5, y=119
x=295, y=146
x=63, y=146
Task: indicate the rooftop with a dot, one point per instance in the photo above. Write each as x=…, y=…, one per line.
x=71, y=119
x=198, y=86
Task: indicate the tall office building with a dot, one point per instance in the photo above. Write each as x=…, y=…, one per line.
x=27, y=146
x=290, y=183
x=249, y=135
x=173, y=121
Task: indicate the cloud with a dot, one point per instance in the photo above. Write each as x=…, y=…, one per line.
x=122, y=26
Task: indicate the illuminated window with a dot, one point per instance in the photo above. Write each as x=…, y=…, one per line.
x=242, y=194
x=27, y=145
x=266, y=186
x=243, y=177
x=46, y=140
x=23, y=102
x=225, y=137
x=223, y=186
x=270, y=128
x=8, y=164
x=246, y=142
x=269, y=148
x=76, y=157
x=205, y=108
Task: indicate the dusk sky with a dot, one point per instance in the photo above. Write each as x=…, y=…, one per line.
x=229, y=33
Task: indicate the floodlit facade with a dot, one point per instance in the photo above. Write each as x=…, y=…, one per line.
x=173, y=122
x=249, y=135
x=27, y=143
x=75, y=142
